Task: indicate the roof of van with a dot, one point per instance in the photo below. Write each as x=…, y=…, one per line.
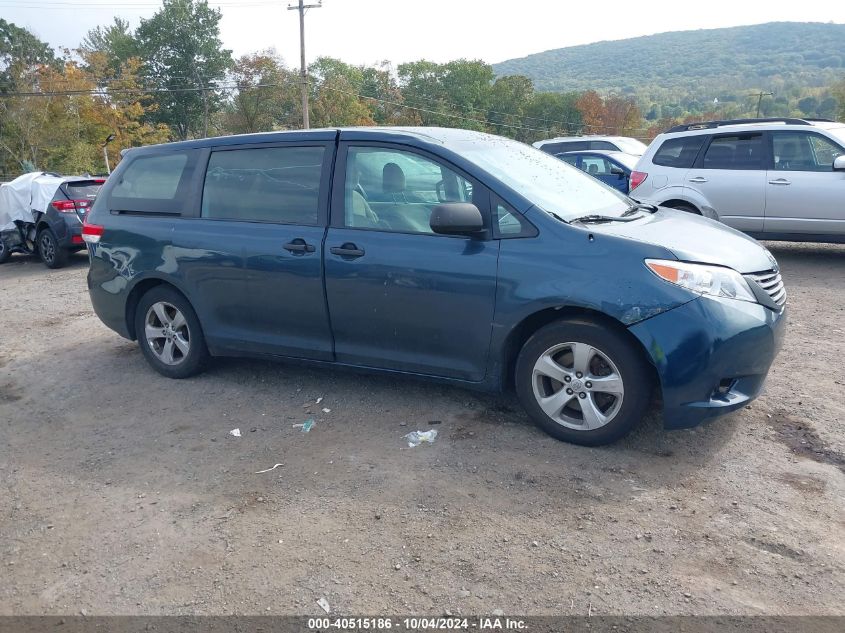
x=439, y=135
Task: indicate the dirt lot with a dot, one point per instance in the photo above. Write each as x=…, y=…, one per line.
x=122, y=491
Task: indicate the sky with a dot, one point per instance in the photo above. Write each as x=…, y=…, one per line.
x=369, y=31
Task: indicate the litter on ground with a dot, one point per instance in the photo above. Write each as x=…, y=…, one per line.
x=415, y=438
x=324, y=604
x=267, y=470
x=305, y=426
x=235, y=432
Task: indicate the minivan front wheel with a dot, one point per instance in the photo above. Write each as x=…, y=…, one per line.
x=169, y=333
x=582, y=382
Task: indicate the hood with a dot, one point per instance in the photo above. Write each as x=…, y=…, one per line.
x=692, y=238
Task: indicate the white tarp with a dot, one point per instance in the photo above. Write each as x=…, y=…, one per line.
x=25, y=194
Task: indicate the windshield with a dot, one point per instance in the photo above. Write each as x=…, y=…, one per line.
x=546, y=181
x=631, y=146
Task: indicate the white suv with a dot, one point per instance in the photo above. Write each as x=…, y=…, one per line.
x=775, y=179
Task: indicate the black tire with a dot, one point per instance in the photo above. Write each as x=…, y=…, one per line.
x=611, y=344
x=5, y=253
x=186, y=365
x=53, y=255
x=680, y=206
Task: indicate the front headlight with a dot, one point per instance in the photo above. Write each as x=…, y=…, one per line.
x=716, y=281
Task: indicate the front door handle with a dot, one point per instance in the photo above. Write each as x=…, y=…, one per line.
x=698, y=179
x=347, y=251
x=299, y=247
x=780, y=181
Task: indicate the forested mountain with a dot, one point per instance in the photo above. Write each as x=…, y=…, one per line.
x=703, y=64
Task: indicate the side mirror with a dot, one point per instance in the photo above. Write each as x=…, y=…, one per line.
x=839, y=163
x=456, y=218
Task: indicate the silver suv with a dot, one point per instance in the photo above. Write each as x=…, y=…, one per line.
x=775, y=179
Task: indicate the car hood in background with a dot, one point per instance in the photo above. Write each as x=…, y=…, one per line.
x=693, y=238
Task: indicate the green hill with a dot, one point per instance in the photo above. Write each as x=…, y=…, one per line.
x=702, y=64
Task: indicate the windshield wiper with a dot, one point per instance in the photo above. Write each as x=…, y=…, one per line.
x=598, y=219
x=639, y=206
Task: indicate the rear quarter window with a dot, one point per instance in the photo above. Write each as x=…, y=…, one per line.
x=155, y=183
x=679, y=152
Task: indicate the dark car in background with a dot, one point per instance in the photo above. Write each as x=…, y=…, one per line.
x=48, y=212
x=441, y=253
x=612, y=168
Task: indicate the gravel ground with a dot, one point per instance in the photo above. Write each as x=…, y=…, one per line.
x=123, y=492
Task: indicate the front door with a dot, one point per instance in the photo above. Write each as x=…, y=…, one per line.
x=803, y=193
x=400, y=296
x=731, y=176
x=271, y=203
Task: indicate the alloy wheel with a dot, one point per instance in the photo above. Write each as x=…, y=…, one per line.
x=167, y=333
x=47, y=247
x=578, y=386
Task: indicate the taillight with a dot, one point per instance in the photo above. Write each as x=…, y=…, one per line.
x=71, y=206
x=637, y=178
x=64, y=206
x=91, y=233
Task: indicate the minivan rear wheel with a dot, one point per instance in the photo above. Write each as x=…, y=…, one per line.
x=583, y=382
x=169, y=333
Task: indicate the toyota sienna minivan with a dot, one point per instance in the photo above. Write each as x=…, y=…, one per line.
x=443, y=253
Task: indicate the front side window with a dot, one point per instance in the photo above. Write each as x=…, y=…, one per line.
x=395, y=190
x=799, y=151
x=678, y=152
x=736, y=151
x=272, y=184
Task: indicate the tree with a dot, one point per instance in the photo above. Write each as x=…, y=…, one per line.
x=337, y=99
x=834, y=105
x=267, y=95
x=421, y=83
x=183, y=58
x=591, y=107
x=61, y=127
x=20, y=52
x=385, y=98
x=621, y=116
x=509, y=96
x=554, y=114
x=115, y=42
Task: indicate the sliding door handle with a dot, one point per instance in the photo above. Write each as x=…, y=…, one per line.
x=299, y=247
x=348, y=251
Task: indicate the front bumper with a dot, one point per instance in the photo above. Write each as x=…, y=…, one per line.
x=705, y=344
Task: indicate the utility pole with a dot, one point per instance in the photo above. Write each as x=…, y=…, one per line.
x=760, y=100
x=302, y=7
